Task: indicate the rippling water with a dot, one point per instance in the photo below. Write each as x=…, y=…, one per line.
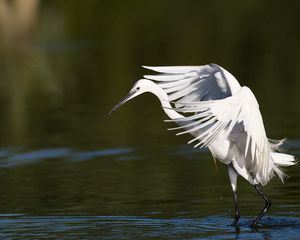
x=136, y=227
x=70, y=171
x=126, y=193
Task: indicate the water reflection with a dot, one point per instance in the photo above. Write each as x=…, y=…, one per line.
x=17, y=21
x=14, y=158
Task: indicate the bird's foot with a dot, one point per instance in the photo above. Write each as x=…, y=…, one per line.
x=256, y=225
x=236, y=218
x=233, y=224
x=236, y=226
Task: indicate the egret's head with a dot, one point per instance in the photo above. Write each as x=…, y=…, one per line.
x=141, y=86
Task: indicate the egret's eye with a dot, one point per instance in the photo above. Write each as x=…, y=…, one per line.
x=137, y=88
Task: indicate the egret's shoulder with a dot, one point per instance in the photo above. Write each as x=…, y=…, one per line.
x=249, y=96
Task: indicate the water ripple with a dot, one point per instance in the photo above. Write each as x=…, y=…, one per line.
x=132, y=227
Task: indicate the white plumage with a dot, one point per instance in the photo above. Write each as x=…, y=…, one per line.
x=209, y=103
x=222, y=109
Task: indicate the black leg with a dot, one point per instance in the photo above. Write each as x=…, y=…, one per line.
x=268, y=204
x=237, y=210
x=233, y=181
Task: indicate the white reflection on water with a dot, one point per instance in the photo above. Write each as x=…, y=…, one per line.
x=12, y=158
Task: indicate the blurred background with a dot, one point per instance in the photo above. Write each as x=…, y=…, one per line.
x=65, y=64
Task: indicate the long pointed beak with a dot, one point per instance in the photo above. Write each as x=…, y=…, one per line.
x=125, y=99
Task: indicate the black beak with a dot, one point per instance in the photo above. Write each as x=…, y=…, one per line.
x=121, y=102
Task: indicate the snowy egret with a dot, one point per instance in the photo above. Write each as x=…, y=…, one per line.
x=209, y=103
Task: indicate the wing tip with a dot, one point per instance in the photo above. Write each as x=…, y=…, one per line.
x=172, y=69
x=147, y=67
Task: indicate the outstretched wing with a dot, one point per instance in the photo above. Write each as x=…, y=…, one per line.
x=235, y=117
x=195, y=83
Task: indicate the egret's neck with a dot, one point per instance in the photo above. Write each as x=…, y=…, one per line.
x=164, y=100
x=172, y=114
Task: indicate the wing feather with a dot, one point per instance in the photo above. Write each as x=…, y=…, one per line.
x=173, y=69
x=221, y=116
x=194, y=83
x=213, y=104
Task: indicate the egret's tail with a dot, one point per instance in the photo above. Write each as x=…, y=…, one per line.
x=283, y=159
x=280, y=159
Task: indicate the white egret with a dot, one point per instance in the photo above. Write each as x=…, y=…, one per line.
x=209, y=103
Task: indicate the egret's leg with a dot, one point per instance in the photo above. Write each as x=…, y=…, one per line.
x=268, y=204
x=233, y=181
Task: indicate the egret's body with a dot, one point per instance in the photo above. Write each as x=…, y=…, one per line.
x=209, y=103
